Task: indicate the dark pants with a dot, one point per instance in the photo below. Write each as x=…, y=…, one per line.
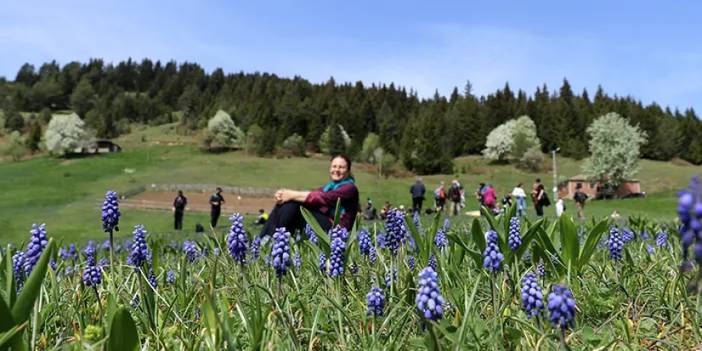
x=539, y=210
x=214, y=217
x=178, y=219
x=289, y=215
x=417, y=204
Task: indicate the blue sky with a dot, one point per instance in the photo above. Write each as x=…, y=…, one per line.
x=649, y=50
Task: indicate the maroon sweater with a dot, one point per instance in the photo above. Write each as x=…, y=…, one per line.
x=326, y=203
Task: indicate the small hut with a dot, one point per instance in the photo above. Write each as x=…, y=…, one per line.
x=627, y=188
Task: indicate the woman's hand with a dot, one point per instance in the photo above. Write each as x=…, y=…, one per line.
x=284, y=195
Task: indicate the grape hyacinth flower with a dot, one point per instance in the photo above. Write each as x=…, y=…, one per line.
x=689, y=214
x=18, y=267
x=627, y=235
x=432, y=262
x=541, y=268
x=297, y=260
x=192, y=253
x=255, y=248
x=89, y=252
x=447, y=224
x=561, y=305
x=532, y=296
x=353, y=268
x=151, y=277
x=92, y=276
x=662, y=239
x=644, y=235
x=390, y=277
x=237, y=240
x=280, y=252
x=170, y=277
x=104, y=263
x=110, y=213
x=615, y=243
x=411, y=262
x=37, y=244
x=337, y=258
x=650, y=249
x=68, y=271
x=139, y=251
x=492, y=255
x=396, y=230
x=372, y=255
x=440, y=239
x=311, y=236
x=323, y=263
x=105, y=245
x=380, y=240
x=364, y=242
x=416, y=220
x=376, y=302
x=429, y=300
x=514, y=240
x=68, y=254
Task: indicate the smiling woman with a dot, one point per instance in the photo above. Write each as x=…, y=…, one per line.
x=321, y=202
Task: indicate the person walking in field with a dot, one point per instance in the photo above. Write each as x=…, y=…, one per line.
x=539, y=198
x=179, y=209
x=490, y=199
x=417, y=190
x=520, y=196
x=580, y=198
x=216, y=201
x=454, y=194
x=440, y=197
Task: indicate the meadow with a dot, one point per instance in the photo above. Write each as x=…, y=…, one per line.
x=429, y=282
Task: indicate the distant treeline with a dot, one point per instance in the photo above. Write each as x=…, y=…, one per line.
x=109, y=97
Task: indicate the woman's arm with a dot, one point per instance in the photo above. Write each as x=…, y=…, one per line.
x=285, y=195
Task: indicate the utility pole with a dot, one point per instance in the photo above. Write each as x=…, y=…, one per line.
x=555, y=177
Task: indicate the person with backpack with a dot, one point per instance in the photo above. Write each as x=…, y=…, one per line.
x=454, y=194
x=179, y=209
x=580, y=197
x=539, y=198
x=440, y=197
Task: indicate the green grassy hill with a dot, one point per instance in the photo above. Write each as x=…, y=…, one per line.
x=67, y=194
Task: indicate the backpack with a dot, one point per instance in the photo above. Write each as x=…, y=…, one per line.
x=545, y=201
x=580, y=197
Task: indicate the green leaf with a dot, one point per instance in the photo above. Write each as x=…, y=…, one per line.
x=6, y=337
x=591, y=242
x=485, y=212
x=321, y=234
x=337, y=212
x=530, y=235
x=476, y=231
x=569, y=241
x=6, y=322
x=9, y=281
x=25, y=301
x=123, y=332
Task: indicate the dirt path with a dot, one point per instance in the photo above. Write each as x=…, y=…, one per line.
x=158, y=200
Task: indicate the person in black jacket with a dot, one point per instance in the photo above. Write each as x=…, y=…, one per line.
x=179, y=209
x=417, y=190
x=216, y=201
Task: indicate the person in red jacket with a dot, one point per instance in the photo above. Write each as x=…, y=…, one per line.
x=321, y=202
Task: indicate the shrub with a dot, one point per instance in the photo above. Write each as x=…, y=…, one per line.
x=295, y=144
x=64, y=133
x=223, y=133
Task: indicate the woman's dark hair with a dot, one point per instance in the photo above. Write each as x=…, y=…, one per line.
x=345, y=158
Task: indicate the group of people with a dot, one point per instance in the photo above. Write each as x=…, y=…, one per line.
x=341, y=189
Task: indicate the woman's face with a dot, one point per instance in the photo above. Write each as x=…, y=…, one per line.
x=339, y=169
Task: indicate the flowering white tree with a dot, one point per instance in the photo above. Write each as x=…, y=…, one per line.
x=511, y=140
x=223, y=132
x=614, y=149
x=64, y=133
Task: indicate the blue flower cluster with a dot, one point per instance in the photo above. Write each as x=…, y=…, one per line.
x=440, y=239
x=237, y=240
x=338, y=236
x=139, y=254
x=492, y=257
x=411, y=262
x=515, y=239
x=380, y=240
x=690, y=215
x=372, y=255
x=390, y=277
x=323, y=263
x=561, y=306
x=429, y=300
x=416, y=220
x=541, y=268
x=432, y=262
x=662, y=239
x=69, y=254
x=110, y=213
x=280, y=252
x=297, y=260
x=170, y=277
x=256, y=248
x=396, y=230
x=532, y=296
x=376, y=302
x=615, y=244
x=364, y=242
x=89, y=252
x=628, y=235
x=37, y=244
x=92, y=276
x=192, y=252
x=18, y=267
x=311, y=235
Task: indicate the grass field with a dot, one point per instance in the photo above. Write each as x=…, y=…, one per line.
x=67, y=194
